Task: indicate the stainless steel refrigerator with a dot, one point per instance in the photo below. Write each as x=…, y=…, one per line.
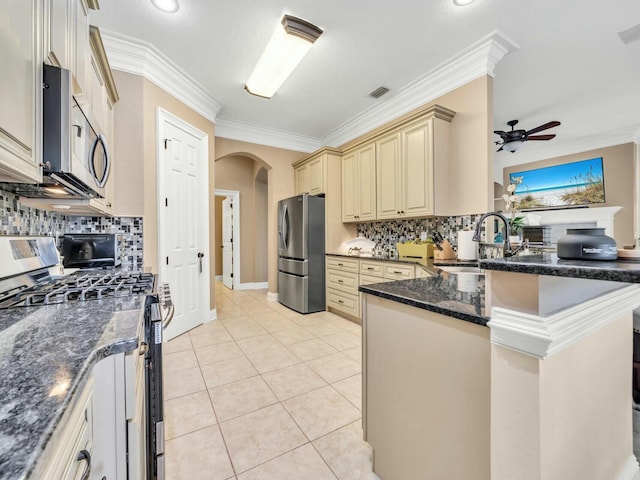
x=301, y=253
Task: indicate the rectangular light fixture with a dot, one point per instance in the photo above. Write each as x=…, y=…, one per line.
x=289, y=43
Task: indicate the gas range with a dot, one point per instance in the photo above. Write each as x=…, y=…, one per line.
x=80, y=286
x=28, y=268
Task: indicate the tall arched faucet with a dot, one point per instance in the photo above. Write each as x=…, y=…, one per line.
x=508, y=252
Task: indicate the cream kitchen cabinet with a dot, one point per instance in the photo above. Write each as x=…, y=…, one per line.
x=21, y=84
x=359, y=184
x=405, y=172
x=344, y=276
x=311, y=174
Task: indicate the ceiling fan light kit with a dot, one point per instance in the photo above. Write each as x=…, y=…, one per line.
x=462, y=3
x=290, y=42
x=512, y=140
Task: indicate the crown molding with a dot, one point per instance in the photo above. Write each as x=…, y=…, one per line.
x=475, y=61
x=265, y=136
x=541, y=337
x=131, y=55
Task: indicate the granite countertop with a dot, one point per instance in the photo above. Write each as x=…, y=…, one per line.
x=453, y=295
x=549, y=264
x=45, y=356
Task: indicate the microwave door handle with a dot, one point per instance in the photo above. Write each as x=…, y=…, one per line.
x=101, y=182
x=107, y=162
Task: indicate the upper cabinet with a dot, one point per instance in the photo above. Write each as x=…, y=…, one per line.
x=404, y=164
x=405, y=159
x=310, y=174
x=359, y=184
x=21, y=84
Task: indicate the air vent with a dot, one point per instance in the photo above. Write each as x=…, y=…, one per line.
x=378, y=92
x=630, y=34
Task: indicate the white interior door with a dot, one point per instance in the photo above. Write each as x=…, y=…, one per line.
x=227, y=242
x=183, y=221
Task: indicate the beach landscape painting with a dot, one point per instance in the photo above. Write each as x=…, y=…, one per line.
x=576, y=183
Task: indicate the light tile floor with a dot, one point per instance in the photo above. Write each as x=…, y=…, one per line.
x=264, y=393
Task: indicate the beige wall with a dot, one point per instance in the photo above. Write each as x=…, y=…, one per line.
x=618, y=164
x=568, y=416
x=261, y=211
x=278, y=162
x=136, y=172
x=128, y=146
x=236, y=173
x=218, y=235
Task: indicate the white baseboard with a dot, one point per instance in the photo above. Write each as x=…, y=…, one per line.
x=630, y=470
x=272, y=297
x=219, y=278
x=213, y=315
x=253, y=286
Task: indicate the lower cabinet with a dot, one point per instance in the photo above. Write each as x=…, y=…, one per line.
x=345, y=275
x=103, y=429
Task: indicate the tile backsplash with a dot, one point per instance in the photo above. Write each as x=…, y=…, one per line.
x=18, y=219
x=387, y=234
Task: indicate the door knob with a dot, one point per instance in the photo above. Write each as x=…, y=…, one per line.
x=200, y=255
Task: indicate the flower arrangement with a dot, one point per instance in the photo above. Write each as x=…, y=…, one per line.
x=511, y=206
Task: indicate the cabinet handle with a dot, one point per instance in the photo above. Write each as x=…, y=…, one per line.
x=370, y=268
x=397, y=272
x=340, y=301
x=340, y=281
x=341, y=264
x=85, y=455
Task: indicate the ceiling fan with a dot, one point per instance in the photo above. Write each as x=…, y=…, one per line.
x=511, y=141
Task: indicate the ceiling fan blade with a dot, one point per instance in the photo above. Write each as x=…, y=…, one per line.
x=499, y=132
x=541, y=137
x=543, y=127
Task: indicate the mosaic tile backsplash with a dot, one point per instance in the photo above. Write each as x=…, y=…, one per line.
x=18, y=219
x=387, y=234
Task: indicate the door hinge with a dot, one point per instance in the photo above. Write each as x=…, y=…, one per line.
x=232, y=275
x=165, y=140
x=166, y=202
x=167, y=260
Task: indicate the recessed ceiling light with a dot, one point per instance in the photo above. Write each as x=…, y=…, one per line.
x=462, y=3
x=169, y=6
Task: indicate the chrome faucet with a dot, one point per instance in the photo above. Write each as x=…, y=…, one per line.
x=508, y=252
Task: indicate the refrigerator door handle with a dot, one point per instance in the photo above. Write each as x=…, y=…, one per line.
x=285, y=226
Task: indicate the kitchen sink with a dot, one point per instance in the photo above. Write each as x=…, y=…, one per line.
x=461, y=269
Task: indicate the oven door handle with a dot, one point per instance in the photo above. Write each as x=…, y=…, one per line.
x=168, y=317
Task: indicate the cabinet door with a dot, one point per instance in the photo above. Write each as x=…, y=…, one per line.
x=367, y=183
x=316, y=175
x=58, y=42
x=417, y=170
x=301, y=179
x=349, y=187
x=81, y=57
x=389, y=173
x=21, y=85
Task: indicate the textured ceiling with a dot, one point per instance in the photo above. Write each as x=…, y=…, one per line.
x=570, y=66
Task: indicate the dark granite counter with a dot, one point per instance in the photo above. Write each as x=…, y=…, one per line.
x=461, y=297
x=45, y=356
x=549, y=264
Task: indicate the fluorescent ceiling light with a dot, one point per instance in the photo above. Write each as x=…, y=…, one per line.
x=169, y=6
x=289, y=43
x=462, y=3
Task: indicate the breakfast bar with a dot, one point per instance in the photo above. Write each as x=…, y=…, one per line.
x=523, y=372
